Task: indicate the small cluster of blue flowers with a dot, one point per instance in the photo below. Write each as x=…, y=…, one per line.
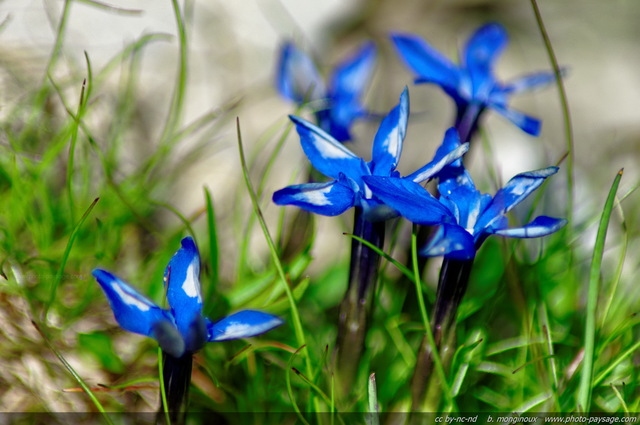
x=465, y=216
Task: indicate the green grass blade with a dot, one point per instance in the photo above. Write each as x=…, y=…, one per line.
x=163, y=391
x=65, y=257
x=130, y=49
x=313, y=386
x=546, y=332
x=175, y=112
x=213, y=237
x=623, y=404
x=401, y=267
x=586, y=379
x=290, y=389
x=56, y=52
x=392, y=327
x=174, y=116
x=72, y=150
x=332, y=405
x=463, y=357
x=371, y=417
x=622, y=256
x=73, y=373
x=244, y=249
x=611, y=366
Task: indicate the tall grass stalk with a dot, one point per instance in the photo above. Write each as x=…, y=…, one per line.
x=564, y=103
x=295, y=315
x=586, y=378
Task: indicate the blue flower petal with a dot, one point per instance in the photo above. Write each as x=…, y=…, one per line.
x=540, y=226
x=451, y=241
x=469, y=205
x=182, y=277
x=326, y=154
x=297, y=78
x=454, y=174
x=331, y=198
x=528, y=124
x=133, y=312
x=244, y=324
x=449, y=152
x=425, y=61
x=387, y=145
x=514, y=192
x=409, y=199
x=480, y=54
x=351, y=77
x=531, y=81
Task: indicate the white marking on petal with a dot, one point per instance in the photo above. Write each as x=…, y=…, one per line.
x=131, y=300
x=391, y=143
x=472, y=218
x=191, y=284
x=316, y=197
x=521, y=187
x=237, y=330
x=332, y=151
x=368, y=194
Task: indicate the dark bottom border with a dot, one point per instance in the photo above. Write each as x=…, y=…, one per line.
x=286, y=418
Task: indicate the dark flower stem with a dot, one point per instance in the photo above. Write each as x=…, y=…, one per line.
x=452, y=285
x=467, y=120
x=453, y=282
x=356, y=306
x=176, y=375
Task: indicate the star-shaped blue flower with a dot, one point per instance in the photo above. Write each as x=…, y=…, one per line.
x=466, y=217
x=182, y=328
x=348, y=189
x=472, y=84
x=338, y=104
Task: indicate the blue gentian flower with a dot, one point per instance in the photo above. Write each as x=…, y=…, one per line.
x=347, y=188
x=182, y=328
x=472, y=84
x=465, y=216
x=338, y=103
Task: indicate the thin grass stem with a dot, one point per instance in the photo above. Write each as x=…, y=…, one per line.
x=290, y=389
x=564, y=103
x=401, y=267
x=164, y=406
x=295, y=315
x=213, y=237
x=434, y=354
